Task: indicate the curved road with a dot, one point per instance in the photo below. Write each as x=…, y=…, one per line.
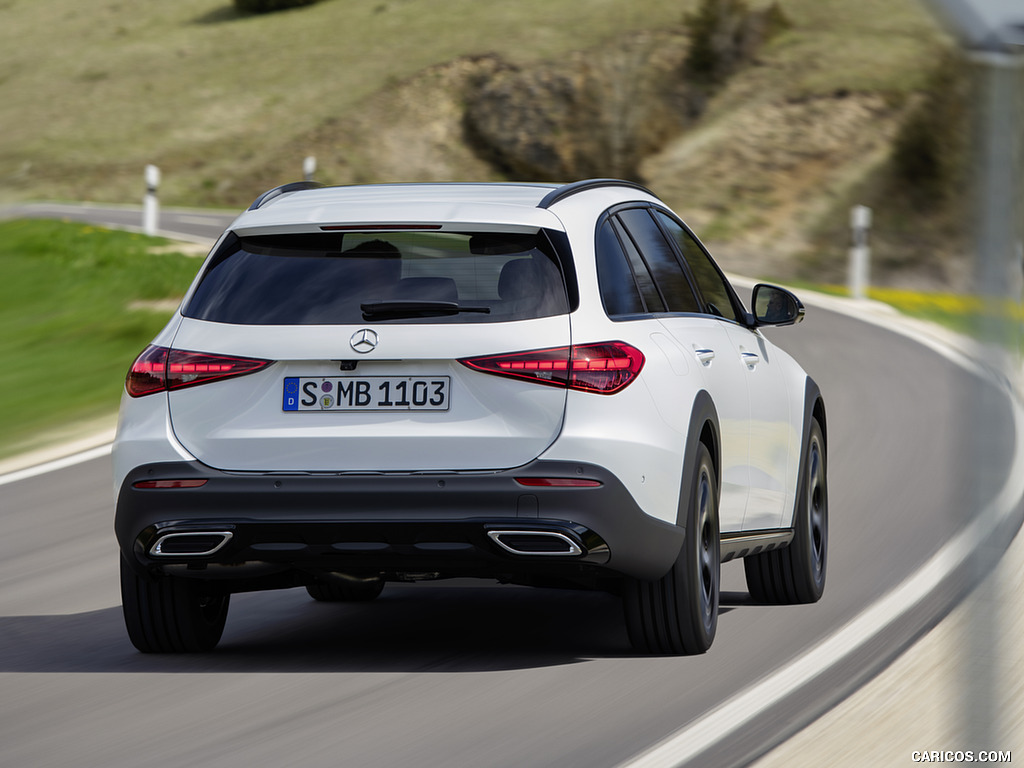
x=185, y=224
x=460, y=674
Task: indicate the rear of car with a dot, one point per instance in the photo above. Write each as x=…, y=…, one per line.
x=413, y=382
x=360, y=386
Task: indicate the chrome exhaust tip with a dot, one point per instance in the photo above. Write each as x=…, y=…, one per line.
x=544, y=543
x=190, y=544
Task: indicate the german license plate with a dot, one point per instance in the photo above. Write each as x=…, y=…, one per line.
x=367, y=393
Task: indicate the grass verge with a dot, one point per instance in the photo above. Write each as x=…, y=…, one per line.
x=962, y=313
x=77, y=303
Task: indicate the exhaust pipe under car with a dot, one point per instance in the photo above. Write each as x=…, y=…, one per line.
x=545, y=543
x=190, y=543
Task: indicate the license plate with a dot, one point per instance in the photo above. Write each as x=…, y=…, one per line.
x=367, y=393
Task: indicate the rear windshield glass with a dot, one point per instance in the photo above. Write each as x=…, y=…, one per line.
x=391, y=277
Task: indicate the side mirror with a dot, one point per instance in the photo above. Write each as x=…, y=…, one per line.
x=776, y=306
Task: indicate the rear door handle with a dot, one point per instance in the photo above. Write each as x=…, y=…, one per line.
x=750, y=359
x=705, y=356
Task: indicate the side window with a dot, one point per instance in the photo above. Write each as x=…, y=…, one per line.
x=709, y=280
x=618, y=289
x=644, y=280
x=661, y=258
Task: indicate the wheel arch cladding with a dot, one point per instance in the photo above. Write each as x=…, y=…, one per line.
x=814, y=407
x=814, y=410
x=703, y=429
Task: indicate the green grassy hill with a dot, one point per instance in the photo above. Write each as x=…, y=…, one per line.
x=91, y=92
x=228, y=105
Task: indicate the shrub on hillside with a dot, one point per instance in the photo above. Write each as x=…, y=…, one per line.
x=598, y=113
x=269, y=6
x=726, y=33
x=930, y=154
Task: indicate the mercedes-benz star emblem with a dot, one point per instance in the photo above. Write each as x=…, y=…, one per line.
x=363, y=341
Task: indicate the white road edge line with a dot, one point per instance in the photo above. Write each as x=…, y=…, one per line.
x=727, y=718
x=56, y=464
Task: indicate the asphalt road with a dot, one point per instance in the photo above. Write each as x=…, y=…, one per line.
x=463, y=674
x=175, y=222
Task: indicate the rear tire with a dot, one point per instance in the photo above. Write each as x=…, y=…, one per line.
x=345, y=591
x=171, y=615
x=796, y=573
x=678, y=613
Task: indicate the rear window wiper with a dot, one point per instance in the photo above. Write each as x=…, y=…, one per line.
x=396, y=309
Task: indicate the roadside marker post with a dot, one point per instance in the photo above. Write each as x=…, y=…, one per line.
x=860, y=251
x=151, y=204
x=308, y=168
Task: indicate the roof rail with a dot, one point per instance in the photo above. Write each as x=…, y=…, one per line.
x=566, y=190
x=284, y=189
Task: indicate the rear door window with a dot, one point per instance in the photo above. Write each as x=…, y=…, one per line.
x=392, y=277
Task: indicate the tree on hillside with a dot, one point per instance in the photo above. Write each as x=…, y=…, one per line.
x=269, y=6
x=724, y=34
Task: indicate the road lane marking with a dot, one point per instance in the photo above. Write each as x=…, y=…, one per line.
x=57, y=464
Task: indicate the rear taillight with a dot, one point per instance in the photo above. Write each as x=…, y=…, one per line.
x=159, y=369
x=605, y=367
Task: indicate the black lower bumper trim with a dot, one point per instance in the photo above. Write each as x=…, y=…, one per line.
x=393, y=523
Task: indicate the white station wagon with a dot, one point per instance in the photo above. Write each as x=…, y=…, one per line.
x=538, y=384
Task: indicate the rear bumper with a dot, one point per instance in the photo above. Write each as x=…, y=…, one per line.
x=250, y=526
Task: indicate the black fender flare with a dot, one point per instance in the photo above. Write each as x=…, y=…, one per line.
x=703, y=420
x=814, y=408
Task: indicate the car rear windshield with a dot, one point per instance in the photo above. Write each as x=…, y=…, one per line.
x=391, y=277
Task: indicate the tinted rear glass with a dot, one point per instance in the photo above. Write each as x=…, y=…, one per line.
x=618, y=288
x=667, y=271
x=331, y=278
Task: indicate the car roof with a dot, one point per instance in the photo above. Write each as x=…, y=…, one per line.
x=303, y=206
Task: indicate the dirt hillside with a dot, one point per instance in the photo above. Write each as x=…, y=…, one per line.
x=764, y=162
